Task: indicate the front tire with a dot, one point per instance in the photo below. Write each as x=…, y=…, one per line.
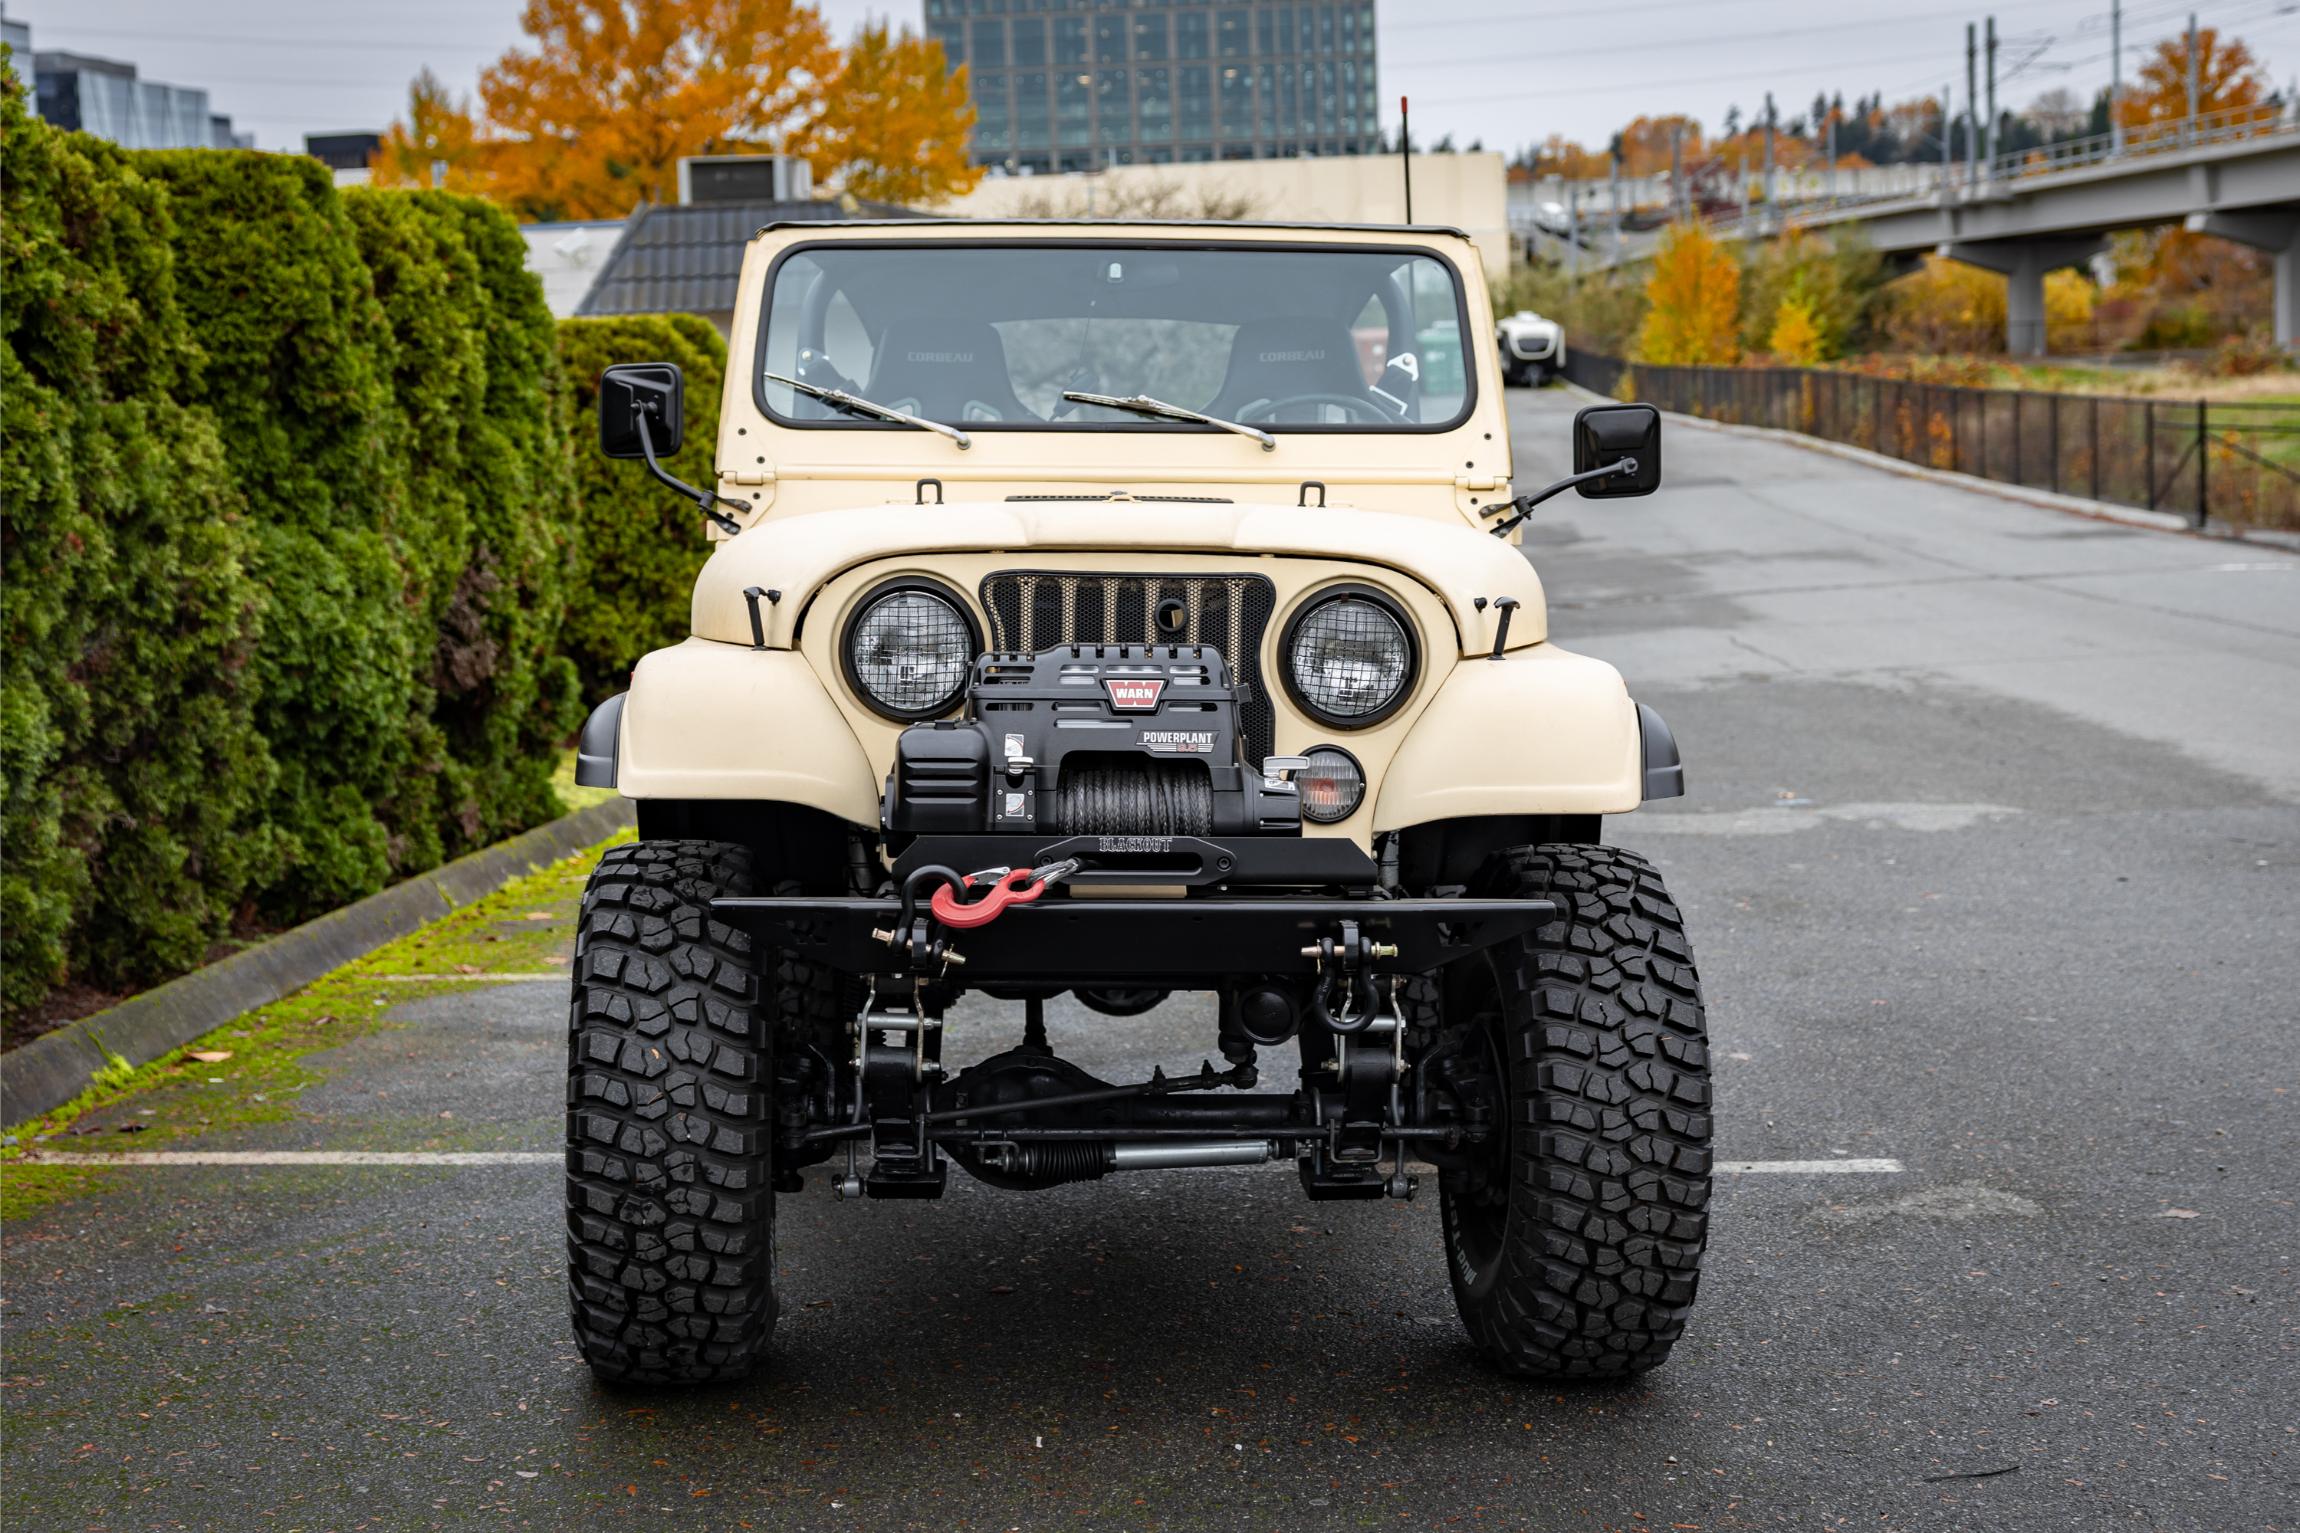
x=670, y=1202
x=1574, y=1242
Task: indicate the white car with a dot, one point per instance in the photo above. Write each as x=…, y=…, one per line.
x=1532, y=348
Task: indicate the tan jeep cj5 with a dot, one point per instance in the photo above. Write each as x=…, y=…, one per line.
x=1121, y=609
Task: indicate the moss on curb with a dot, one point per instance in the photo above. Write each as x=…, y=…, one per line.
x=525, y=927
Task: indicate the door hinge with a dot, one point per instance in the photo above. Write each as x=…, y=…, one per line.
x=748, y=476
x=1479, y=482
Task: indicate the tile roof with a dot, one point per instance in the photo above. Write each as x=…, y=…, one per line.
x=685, y=259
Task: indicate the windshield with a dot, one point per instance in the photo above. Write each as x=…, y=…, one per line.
x=1338, y=338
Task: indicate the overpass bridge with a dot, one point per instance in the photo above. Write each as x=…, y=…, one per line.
x=2235, y=174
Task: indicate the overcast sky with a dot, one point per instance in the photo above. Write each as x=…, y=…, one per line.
x=1509, y=72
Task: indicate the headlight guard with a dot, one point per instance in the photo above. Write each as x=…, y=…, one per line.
x=909, y=648
x=1348, y=656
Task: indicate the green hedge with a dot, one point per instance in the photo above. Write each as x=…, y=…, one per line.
x=637, y=544
x=131, y=767
x=287, y=535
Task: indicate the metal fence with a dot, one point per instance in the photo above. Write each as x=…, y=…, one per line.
x=2229, y=461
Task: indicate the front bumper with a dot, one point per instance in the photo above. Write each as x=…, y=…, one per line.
x=1065, y=940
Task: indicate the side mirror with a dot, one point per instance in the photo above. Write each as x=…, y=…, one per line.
x=1606, y=434
x=634, y=392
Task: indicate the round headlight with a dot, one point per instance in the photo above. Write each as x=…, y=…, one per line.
x=1349, y=659
x=1332, y=785
x=909, y=650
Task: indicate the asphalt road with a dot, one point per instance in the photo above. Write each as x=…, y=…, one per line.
x=1992, y=863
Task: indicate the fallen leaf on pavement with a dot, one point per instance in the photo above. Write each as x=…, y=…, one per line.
x=2178, y=1213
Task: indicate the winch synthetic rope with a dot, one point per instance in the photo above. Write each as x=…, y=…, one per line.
x=1152, y=798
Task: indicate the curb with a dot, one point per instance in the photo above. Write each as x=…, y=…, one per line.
x=52, y=1069
x=2077, y=505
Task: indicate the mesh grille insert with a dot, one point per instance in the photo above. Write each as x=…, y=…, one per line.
x=1033, y=610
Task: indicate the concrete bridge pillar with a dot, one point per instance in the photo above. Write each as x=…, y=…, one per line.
x=2278, y=233
x=2024, y=264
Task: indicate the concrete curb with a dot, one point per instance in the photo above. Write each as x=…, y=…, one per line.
x=2078, y=505
x=52, y=1069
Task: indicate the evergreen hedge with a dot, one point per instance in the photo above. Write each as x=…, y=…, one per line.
x=287, y=533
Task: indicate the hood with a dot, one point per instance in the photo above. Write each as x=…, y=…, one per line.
x=796, y=555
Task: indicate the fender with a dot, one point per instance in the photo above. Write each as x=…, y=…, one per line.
x=705, y=720
x=1539, y=731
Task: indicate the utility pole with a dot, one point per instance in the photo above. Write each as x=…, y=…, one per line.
x=1948, y=110
x=1972, y=94
x=1613, y=174
x=1989, y=128
x=1677, y=171
x=2192, y=65
x=1772, y=192
x=1832, y=186
x=2115, y=76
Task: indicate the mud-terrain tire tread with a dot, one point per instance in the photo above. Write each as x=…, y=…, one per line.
x=1607, y=1053
x=670, y=1203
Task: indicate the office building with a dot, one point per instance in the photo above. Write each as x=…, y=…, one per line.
x=1087, y=84
x=104, y=97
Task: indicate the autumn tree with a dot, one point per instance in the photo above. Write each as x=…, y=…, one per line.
x=1795, y=338
x=1946, y=308
x=894, y=121
x=2227, y=76
x=595, y=117
x=1693, y=301
x=1647, y=144
x=437, y=136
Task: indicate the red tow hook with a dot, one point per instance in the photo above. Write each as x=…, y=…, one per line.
x=1008, y=886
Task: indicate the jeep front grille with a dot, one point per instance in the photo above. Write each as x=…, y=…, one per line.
x=1033, y=610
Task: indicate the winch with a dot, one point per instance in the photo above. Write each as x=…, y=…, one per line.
x=1090, y=739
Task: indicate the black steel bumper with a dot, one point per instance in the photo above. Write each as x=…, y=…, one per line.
x=1062, y=939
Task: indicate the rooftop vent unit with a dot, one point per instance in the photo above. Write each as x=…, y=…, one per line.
x=708, y=178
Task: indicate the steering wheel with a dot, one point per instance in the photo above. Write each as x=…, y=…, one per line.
x=1356, y=404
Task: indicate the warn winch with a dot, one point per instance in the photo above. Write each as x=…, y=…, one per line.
x=1090, y=739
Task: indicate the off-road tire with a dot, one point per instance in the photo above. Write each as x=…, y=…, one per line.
x=670, y=1202
x=1585, y=1264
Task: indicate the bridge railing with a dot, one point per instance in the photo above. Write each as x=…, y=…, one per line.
x=2234, y=462
x=1966, y=182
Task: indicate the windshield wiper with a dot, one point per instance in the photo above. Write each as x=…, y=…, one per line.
x=1143, y=404
x=855, y=403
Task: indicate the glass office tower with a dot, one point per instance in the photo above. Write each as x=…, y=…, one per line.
x=1083, y=84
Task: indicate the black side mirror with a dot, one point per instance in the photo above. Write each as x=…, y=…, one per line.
x=643, y=414
x=642, y=410
x=1604, y=435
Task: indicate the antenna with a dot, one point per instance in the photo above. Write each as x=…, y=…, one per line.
x=1406, y=154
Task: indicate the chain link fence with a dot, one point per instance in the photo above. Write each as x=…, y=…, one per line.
x=2230, y=461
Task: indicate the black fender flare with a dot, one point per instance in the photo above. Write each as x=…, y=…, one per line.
x=595, y=748
x=1664, y=768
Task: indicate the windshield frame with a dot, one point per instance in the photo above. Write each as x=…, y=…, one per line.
x=1464, y=415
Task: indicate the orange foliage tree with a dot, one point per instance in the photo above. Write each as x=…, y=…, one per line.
x=895, y=120
x=596, y=117
x=1647, y=141
x=2226, y=76
x=593, y=116
x=1693, y=301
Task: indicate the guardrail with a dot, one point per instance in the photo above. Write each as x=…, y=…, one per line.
x=2231, y=461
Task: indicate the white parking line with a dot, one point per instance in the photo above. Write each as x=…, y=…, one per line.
x=558, y=1157
x=302, y=1158
x=1810, y=1167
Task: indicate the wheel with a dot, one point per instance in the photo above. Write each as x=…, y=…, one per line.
x=1574, y=1234
x=1512, y=373
x=670, y=1203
